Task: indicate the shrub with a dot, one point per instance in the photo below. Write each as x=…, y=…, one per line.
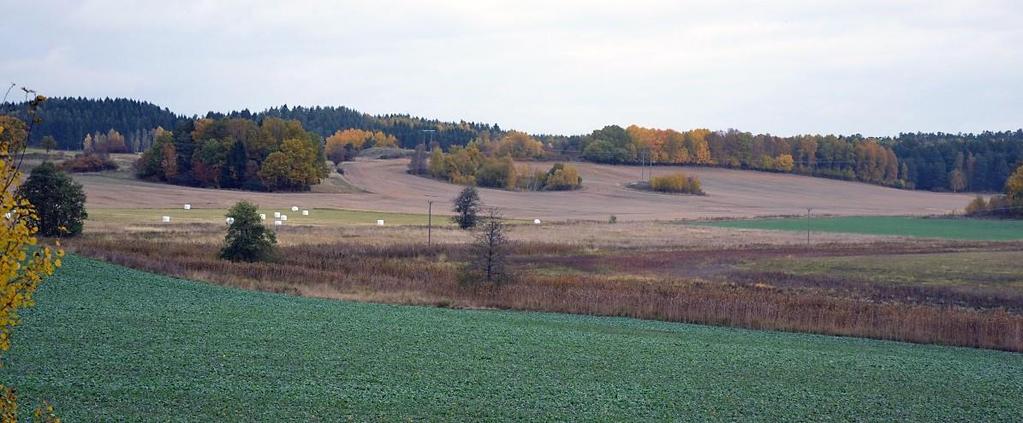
x=562, y=177
x=977, y=206
x=59, y=201
x=497, y=173
x=676, y=183
x=247, y=238
x=88, y=162
x=467, y=206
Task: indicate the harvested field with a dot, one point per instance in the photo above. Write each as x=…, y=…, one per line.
x=730, y=193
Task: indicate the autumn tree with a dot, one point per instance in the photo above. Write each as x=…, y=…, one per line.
x=59, y=201
x=519, y=145
x=496, y=173
x=466, y=208
x=1014, y=186
x=23, y=263
x=784, y=163
x=115, y=142
x=292, y=168
x=356, y=139
x=153, y=163
x=436, y=167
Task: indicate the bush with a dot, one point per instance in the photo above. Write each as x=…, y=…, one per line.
x=247, y=238
x=977, y=206
x=89, y=162
x=562, y=177
x=496, y=173
x=676, y=183
x=59, y=201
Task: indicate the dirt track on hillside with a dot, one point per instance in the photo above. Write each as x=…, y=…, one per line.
x=731, y=193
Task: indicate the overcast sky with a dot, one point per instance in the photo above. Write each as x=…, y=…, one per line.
x=784, y=67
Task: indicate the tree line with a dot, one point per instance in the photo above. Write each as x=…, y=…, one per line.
x=69, y=120
x=929, y=161
x=407, y=130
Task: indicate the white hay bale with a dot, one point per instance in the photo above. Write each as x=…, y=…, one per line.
x=294, y=208
x=278, y=223
x=188, y=207
x=380, y=222
x=262, y=216
x=166, y=219
x=305, y=212
x=277, y=215
x=536, y=221
x=284, y=218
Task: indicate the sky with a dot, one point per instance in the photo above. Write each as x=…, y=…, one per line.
x=566, y=67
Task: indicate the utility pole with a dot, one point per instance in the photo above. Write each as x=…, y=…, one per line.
x=429, y=131
x=429, y=223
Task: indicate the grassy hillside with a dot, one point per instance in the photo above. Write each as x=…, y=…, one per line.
x=107, y=342
x=969, y=229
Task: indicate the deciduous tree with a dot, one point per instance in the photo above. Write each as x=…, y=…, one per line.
x=23, y=263
x=488, y=254
x=466, y=207
x=59, y=201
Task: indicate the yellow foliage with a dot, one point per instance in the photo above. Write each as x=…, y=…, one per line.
x=784, y=162
x=23, y=264
x=1014, y=185
x=565, y=177
x=519, y=145
x=677, y=182
x=359, y=139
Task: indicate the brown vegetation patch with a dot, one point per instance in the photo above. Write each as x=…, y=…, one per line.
x=685, y=284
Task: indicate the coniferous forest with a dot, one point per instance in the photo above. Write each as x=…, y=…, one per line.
x=930, y=161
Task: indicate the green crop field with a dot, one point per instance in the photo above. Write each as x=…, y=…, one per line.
x=968, y=229
x=109, y=343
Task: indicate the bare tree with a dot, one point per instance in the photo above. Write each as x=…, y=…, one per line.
x=489, y=252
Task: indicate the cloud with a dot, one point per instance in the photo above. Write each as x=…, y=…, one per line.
x=872, y=67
